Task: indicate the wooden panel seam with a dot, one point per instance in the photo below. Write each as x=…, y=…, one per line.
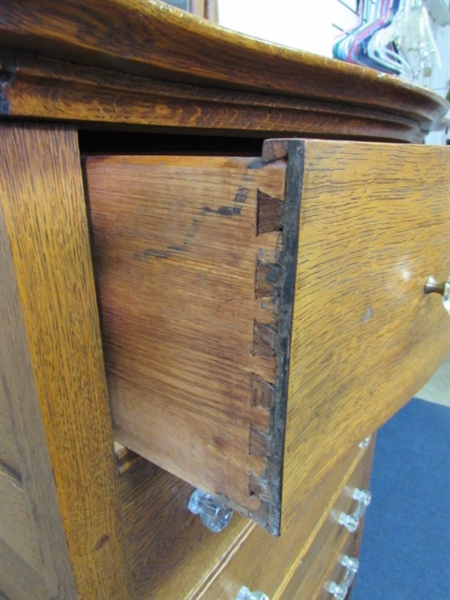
x=273, y=338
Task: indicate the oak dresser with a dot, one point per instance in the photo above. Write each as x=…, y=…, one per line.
x=216, y=262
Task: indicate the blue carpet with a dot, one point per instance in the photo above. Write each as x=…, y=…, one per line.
x=405, y=552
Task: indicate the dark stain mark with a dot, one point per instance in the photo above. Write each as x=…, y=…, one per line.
x=220, y=442
x=6, y=389
x=191, y=232
x=256, y=164
x=101, y=542
x=223, y=211
x=149, y=252
x=241, y=195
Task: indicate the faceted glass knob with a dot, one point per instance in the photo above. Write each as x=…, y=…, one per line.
x=351, y=522
x=339, y=590
x=246, y=594
x=365, y=442
x=213, y=512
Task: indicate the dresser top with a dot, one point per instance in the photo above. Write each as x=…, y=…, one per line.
x=147, y=47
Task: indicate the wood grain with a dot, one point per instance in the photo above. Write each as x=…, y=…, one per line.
x=18, y=581
x=55, y=374
x=374, y=225
x=20, y=396
x=307, y=578
x=16, y=523
x=9, y=453
x=170, y=550
x=46, y=88
x=153, y=39
x=175, y=252
x=308, y=528
x=172, y=555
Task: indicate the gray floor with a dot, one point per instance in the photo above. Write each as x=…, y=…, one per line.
x=438, y=388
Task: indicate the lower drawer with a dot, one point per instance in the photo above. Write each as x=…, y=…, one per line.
x=322, y=563
x=300, y=558
x=341, y=572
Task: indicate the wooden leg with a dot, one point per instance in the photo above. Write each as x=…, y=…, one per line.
x=52, y=366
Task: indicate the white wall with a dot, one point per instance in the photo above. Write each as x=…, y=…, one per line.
x=310, y=25
x=314, y=26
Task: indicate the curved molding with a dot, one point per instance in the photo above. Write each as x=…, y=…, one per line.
x=151, y=39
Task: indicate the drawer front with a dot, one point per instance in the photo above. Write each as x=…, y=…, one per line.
x=269, y=564
x=337, y=572
x=374, y=225
x=321, y=563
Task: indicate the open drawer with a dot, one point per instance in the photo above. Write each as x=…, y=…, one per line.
x=261, y=316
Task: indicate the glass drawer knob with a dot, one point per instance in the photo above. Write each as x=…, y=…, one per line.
x=351, y=522
x=365, y=442
x=246, y=594
x=213, y=512
x=435, y=287
x=339, y=590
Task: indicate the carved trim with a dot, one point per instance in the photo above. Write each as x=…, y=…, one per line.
x=48, y=88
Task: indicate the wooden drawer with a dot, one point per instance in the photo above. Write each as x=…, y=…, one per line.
x=204, y=564
x=321, y=562
x=260, y=317
x=265, y=563
x=321, y=566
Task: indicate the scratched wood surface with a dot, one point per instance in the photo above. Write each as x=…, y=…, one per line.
x=187, y=324
x=365, y=338
x=52, y=365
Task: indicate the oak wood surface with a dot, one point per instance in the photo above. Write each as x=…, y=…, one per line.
x=175, y=250
x=171, y=553
x=52, y=362
x=374, y=225
x=171, y=243
x=48, y=88
x=19, y=581
x=270, y=569
x=20, y=396
x=153, y=39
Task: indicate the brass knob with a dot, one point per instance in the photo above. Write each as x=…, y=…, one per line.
x=432, y=286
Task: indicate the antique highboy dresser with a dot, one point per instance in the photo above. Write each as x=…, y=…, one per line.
x=214, y=259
